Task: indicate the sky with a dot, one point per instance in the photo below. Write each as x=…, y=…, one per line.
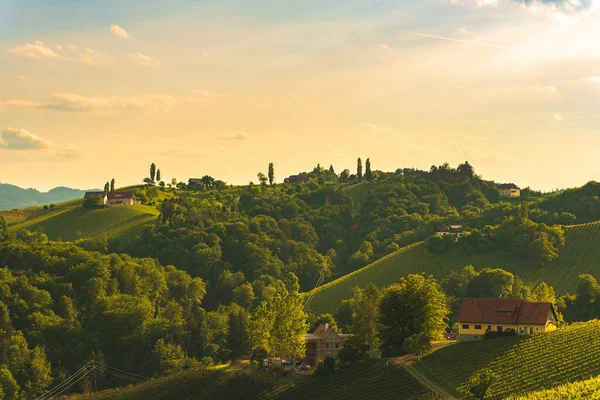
x=95, y=90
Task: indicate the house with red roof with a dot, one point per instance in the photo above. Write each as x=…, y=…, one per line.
x=478, y=316
x=120, y=199
x=322, y=343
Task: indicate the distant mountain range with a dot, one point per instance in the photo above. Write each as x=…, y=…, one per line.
x=12, y=196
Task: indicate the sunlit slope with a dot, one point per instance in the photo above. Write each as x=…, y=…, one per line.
x=362, y=382
x=587, y=389
x=581, y=254
x=76, y=222
x=542, y=361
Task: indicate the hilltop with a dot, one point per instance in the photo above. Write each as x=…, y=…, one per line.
x=522, y=365
x=12, y=196
x=581, y=254
x=366, y=381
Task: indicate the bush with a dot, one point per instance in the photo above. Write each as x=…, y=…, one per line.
x=355, y=350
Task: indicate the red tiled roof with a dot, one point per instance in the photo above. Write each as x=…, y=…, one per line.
x=120, y=195
x=508, y=186
x=322, y=331
x=503, y=311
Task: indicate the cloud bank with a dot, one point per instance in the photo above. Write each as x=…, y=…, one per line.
x=37, y=50
x=20, y=139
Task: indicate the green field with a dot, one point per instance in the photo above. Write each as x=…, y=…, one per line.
x=588, y=389
x=360, y=191
x=542, y=361
x=70, y=221
x=380, y=381
x=581, y=254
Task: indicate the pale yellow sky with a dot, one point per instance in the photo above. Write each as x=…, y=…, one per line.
x=224, y=89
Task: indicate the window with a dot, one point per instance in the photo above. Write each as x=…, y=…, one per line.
x=326, y=345
x=337, y=345
x=499, y=328
x=489, y=328
x=465, y=326
x=478, y=327
x=537, y=328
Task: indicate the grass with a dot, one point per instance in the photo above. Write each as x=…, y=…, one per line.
x=380, y=381
x=360, y=191
x=75, y=222
x=581, y=254
x=588, y=389
x=522, y=365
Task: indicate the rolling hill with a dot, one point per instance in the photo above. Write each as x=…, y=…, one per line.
x=69, y=221
x=380, y=381
x=522, y=365
x=581, y=254
x=12, y=196
x=587, y=389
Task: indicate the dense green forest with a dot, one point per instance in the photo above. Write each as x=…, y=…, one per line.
x=220, y=271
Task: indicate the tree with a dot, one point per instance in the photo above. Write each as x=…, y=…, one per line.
x=543, y=293
x=158, y=175
x=345, y=176
x=262, y=178
x=174, y=182
x=148, y=181
x=238, y=335
x=417, y=305
x=466, y=170
x=3, y=227
x=152, y=171
x=359, y=173
x=324, y=319
x=479, y=384
x=354, y=350
x=541, y=252
x=365, y=314
x=112, y=185
x=162, y=185
x=417, y=344
x=368, y=173
x=331, y=170
x=106, y=187
x=271, y=174
x=208, y=181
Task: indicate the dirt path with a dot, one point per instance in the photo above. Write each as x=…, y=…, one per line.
x=406, y=361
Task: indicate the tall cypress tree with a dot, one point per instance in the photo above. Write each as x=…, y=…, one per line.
x=359, y=174
x=158, y=175
x=271, y=174
x=106, y=187
x=152, y=171
x=368, y=173
x=112, y=185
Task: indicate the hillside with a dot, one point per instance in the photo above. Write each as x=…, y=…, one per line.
x=590, y=388
x=12, y=196
x=381, y=381
x=70, y=221
x=581, y=254
x=538, y=362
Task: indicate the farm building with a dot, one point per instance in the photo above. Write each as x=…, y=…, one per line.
x=509, y=190
x=456, y=230
x=195, y=181
x=95, y=198
x=322, y=343
x=120, y=199
x=295, y=179
x=503, y=316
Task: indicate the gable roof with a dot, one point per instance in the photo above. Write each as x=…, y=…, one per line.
x=322, y=331
x=504, y=311
x=508, y=186
x=120, y=195
x=94, y=194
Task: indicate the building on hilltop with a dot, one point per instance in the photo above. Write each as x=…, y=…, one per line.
x=509, y=190
x=120, y=199
x=476, y=317
x=322, y=343
x=95, y=199
x=456, y=230
x=295, y=179
x=195, y=181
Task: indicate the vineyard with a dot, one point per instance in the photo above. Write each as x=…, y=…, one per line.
x=581, y=254
x=522, y=365
x=366, y=381
x=588, y=389
x=76, y=222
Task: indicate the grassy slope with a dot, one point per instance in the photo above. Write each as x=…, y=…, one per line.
x=538, y=362
x=360, y=191
x=381, y=382
x=72, y=222
x=587, y=389
x=581, y=254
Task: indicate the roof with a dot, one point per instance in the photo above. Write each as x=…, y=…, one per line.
x=503, y=311
x=322, y=331
x=508, y=186
x=120, y=195
x=195, y=180
x=94, y=194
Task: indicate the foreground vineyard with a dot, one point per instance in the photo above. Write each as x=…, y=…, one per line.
x=581, y=255
x=588, y=389
x=539, y=362
x=379, y=381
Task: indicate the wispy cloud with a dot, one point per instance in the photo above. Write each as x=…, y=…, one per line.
x=120, y=32
x=91, y=57
x=557, y=117
x=463, y=41
x=384, y=46
x=22, y=77
x=594, y=79
x=238, y=135
x=145, y=60
x=375, y=129
x=37, y=51
x=20, y=139
x=98, y=105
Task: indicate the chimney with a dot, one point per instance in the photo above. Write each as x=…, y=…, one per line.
x=326, y=326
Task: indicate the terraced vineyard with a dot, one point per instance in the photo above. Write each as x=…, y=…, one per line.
x=380, y=381
x=542, y=361
x=75, y=222
x=581, y=254
x=588, y=389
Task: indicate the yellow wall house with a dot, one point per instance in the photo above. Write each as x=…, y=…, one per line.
x=478, y=316
x=322, y=343
x=509, y=190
